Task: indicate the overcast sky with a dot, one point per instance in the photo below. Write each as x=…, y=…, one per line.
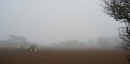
x=50, y=21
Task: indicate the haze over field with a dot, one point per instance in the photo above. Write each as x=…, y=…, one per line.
x=53, y=21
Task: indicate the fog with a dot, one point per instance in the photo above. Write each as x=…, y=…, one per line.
x=21, y=42
x=56, y=23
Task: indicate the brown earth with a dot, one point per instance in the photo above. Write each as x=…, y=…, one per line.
x=51, y=56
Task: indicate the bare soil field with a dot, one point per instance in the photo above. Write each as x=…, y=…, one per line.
x=51, y=56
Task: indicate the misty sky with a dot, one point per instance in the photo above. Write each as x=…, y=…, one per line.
x=50, y=21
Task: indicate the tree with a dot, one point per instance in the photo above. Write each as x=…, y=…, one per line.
x=107, y=42
x=22, y=41
x=120, y=11
x=90, y=42
x=103, y=42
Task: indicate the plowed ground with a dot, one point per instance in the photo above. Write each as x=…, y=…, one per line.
x=51, y=56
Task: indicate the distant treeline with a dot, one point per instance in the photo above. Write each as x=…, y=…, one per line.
x=69, y=44
x=101, y=42
x=108, y=42
x=15, y=41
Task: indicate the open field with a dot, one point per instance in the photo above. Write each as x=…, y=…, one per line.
x=49, y=56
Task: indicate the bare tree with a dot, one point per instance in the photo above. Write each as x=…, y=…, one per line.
x=120, y=11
